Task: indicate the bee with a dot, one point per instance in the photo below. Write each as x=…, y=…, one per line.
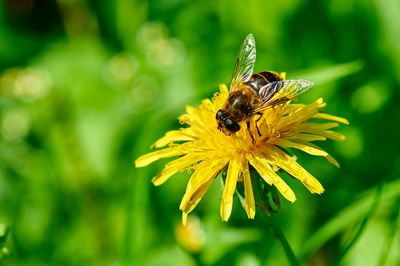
x=251, y=94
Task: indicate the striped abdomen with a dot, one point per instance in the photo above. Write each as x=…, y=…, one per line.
x=261, y=79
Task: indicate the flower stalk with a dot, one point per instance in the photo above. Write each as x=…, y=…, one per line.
x=278, y=234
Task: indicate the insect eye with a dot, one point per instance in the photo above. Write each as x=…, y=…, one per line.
x=232, y=125
x=220, y=115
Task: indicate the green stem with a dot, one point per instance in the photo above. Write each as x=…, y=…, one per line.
x=277, y=232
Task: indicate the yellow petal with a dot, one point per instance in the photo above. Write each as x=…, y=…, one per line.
x=190, y=109
x=334, y=135
x=184, y=119
x=326, y=133
x=327, y=157
x=298, y=113
x=326, y=116
x=307, y=137
x=151, y=157
x=315, y=126
x=223, y=89
x=179, y=164
x=332, y=161
x=198, y=179
x=232, y=176
x=193, y=196
x=325, y=125
x=164, y=175
x=250, y=205
x=319, y=103
x=258, y=164
x=287, y=163
x=199, y=183
x=172, y=136
x=263, y=167
x=301, y=146
x=184, y=218
x=219, y=98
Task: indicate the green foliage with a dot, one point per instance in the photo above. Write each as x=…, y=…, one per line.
x=87, y=86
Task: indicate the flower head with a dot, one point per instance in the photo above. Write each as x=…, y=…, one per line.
x=261, y=145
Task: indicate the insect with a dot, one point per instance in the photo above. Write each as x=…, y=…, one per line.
x=251, y=94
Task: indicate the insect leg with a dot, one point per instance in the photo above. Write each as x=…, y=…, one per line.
x=258, y=119
x=248, y=129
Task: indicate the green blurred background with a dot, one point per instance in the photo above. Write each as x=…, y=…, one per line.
x=87, y=86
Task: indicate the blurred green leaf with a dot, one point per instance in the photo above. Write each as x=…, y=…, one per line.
x=168, y=255
x=325, y=74
x=222, y=239
x=349, y=216
x=356, y=235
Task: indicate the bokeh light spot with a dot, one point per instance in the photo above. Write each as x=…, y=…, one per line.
x=370, y=97
x=161, y=51
x=122, y=68
x=15, y=125
x=353, y=145
x=144, y=91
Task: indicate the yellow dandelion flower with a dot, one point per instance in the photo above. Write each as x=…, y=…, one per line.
x=191, y=236
x=262, y=146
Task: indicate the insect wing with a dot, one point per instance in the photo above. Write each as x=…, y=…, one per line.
x=244, y=63
x=281, y=91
